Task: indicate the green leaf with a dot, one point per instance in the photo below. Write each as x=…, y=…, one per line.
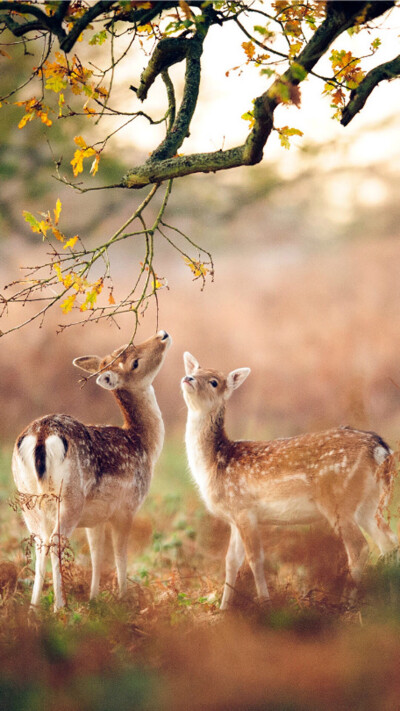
x=32, y=221
x=99, y=37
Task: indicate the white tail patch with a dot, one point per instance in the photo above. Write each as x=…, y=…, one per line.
x=55, y=451
x=55, y=456
x=26, y=451
x=380, y=454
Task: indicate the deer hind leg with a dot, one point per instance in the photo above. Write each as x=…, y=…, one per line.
x=373, y=523
x=353, y=540
x=67, y=520
x=356, y=548
x=120, y=529
x=41, y=550
x=250, y=535
x=96, y=536
x=39, y=525
x=233, y=561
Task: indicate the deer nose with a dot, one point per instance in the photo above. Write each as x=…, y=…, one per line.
x=188, y=379
x=163, y=335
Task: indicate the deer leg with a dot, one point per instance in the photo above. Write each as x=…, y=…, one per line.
x=56, y=551
x=40, y=569
x=63, y=529
x=96, y=537
x=233, y=561
x=356, y=548
x=375, y=525
x=250, y=536
x=119, y=535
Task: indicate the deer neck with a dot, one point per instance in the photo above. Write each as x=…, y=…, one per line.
x=206, y=439
x=142, y=418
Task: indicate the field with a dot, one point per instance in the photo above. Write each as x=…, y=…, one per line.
x=167, y=646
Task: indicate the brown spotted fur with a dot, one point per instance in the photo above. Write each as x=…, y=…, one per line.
x=343, y=475
x=100, y=473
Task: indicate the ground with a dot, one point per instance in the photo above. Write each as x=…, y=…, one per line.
x=167, y=645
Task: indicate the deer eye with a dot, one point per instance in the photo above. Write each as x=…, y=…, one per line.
x=135, y=363
x=214, y=383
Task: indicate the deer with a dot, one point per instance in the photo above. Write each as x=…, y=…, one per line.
x=70, y=475
x=342, y=475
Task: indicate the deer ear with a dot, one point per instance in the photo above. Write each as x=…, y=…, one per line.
x=89, y=363
x=235, y=379
x=191, y=364
x=120, y=350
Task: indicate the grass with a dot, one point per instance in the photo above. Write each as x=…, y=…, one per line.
x=166, y=645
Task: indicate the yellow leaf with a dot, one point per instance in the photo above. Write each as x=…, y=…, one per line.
x=25, y=119
x=67, y=305
x=57, y=211
x=77, y=162
x=71, y=242
x=68, y=280
x=249, y=49
x=57, y=234
x=111, y=299
x=80, y=141
x=57, y=269
x=197, y=268
x=61, y=102
x=95, y=165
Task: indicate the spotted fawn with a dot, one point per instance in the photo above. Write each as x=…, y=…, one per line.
x=342, y=475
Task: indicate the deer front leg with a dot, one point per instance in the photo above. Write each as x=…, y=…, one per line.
x=233, y=561
x=120, y=529
x=96, y=536
x=250, y=535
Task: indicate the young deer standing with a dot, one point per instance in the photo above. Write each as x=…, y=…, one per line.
x=86, y=476
x=343, y=475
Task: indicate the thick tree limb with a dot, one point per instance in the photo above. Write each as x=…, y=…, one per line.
x=168, y=51
x=42, y=22
x=180, y=128
x=340, y=16
x=358, y=97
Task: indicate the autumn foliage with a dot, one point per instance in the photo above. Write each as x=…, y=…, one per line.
x=77, y=51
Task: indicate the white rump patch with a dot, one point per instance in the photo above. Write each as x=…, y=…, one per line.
x=55, y=451
x=26, y=450
x=380, y=454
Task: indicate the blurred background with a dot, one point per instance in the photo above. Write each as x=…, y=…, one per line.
x=306, y=293
x=306, y=251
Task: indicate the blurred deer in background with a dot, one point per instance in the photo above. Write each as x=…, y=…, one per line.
x=343, y=475
x=73, y=475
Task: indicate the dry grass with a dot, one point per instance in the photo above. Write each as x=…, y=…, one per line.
x=167, y=647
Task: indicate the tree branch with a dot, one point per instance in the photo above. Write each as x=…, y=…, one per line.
x=358, y=97
x=81, y=24
x=340, y=16
x=43, y=22
x=168, y=51
x=180, y=128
